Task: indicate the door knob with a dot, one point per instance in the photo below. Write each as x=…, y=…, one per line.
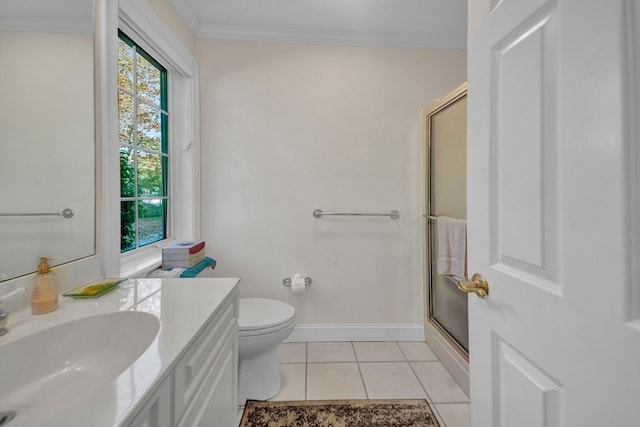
x=478, y=285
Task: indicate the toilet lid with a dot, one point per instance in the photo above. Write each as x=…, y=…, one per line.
x=260, y=313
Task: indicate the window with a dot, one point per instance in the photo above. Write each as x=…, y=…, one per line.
x=180, y=215
x=143, y=119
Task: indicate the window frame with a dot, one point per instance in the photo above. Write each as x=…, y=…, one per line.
x=165, y=150
x=141, y=23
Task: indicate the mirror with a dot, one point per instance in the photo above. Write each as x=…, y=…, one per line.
x=47, y=137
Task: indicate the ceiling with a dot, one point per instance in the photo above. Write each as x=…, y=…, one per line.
x=392, y=23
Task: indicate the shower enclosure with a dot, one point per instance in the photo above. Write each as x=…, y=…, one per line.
x=446, y=323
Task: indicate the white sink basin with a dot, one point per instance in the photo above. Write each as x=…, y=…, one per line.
x=52, y=369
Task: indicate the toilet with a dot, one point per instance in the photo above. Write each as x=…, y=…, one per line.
x=263, y=324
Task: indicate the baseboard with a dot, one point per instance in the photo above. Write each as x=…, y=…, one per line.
x=350, y=332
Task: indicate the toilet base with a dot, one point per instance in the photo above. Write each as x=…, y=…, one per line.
x=259, y=377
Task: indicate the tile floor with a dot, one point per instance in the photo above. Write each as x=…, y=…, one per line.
x=371, y=370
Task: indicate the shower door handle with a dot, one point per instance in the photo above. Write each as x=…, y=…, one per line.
x=478, y=285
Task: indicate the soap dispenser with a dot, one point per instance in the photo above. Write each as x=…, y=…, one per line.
x=44, y=289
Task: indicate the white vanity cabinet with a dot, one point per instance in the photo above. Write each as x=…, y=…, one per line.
x=156, y=412
x=205, y=378
x=201, y=389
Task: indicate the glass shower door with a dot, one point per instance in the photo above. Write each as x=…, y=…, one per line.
x=447, y=197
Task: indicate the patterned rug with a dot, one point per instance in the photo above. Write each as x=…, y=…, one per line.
x=339, y=413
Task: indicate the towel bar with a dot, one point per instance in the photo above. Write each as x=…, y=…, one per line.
x=66, y=213
x=394, y=214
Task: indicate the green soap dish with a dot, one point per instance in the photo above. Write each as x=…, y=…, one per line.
x=94, y=289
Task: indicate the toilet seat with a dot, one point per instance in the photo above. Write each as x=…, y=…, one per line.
x=261, y=316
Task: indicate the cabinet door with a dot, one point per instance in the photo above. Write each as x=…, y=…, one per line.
x=215, y=403
x=157, y=411
x=192, y=368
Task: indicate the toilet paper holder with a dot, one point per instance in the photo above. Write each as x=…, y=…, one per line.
x=287, y=281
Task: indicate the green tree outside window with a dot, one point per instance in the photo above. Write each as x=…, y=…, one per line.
x=144, y=159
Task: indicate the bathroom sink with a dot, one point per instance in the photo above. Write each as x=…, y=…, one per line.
x=52, y=369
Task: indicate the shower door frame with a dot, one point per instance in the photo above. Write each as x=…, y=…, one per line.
x=452, y=355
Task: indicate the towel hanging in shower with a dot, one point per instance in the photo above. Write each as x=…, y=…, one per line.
x=452, y=246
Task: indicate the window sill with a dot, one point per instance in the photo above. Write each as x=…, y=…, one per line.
x=142, y=262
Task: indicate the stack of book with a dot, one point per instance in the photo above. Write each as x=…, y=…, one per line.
x=183, y=254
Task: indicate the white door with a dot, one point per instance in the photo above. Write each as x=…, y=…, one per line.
x=553, y=214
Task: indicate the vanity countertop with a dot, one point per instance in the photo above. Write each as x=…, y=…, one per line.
x=183, y=307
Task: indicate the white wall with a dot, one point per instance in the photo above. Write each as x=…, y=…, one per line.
x=287, y=129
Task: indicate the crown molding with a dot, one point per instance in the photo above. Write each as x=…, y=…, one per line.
x=49, y=25
x=285, y=35
x=314, y=36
